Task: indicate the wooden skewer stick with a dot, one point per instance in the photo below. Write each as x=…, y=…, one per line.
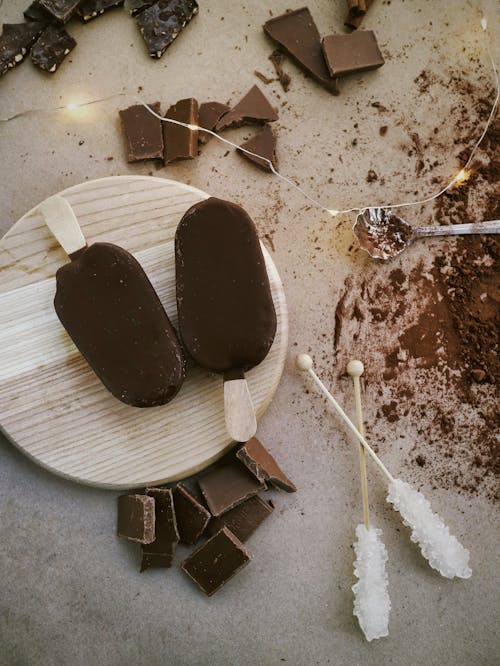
x=305, y=362
x=356, y=369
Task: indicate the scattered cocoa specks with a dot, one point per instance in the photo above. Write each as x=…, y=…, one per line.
x=371, y=176
x=266, y=80
x=383, y=130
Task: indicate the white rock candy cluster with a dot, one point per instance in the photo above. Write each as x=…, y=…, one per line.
x=443, y=551
x=371, y=596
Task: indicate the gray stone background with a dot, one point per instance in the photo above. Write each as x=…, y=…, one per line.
x=70, y=591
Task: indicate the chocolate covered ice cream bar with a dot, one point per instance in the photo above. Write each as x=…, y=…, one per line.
x=227, y=318
x=108, y=306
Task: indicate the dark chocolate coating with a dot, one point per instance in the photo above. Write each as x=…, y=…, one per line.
x=51, y=48
x=61, y=10
x=226, y=312
x=15, y=42
x=114, y=316
x=162, y=22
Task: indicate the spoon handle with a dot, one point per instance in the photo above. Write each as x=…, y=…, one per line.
x=490, y=227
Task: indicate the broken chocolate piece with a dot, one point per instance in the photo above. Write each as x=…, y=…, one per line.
x=355, y=18
x=244, y=519
x=217, y=561
x=209, y=115
x=15, y=41
x=161, y=23
x=277, y=58
x=263, y=144
x=297, y=33
x=60, y=10
x=143, y=132
x=90, y=9
x=226, y=310
x=192, y=517
x=181, y=143
x=356, y=7
x=356, y=52
x=136, y=518
x=136, y=6
x=36, y=12
x=252, y=108
x=160, y=552
x=51, y=48
x=228, y=485
x=263, y=466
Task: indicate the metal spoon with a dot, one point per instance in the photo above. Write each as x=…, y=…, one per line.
x=384, y=235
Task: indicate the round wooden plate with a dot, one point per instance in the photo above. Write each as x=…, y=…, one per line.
x=52, y=406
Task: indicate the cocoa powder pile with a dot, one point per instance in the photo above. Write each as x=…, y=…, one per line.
x=428, y=329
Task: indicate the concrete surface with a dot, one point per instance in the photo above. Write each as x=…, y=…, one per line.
x=71, y=592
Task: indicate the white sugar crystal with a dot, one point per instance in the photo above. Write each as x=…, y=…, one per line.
x=443, y=551
x=371, y=597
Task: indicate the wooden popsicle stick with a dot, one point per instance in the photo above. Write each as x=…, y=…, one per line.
x=61, y=220
x=356, y=369
x=239, y=412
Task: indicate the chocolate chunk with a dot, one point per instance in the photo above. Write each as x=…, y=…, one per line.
x=192, y=517
x=160, y=552
x=60, y=10
x=143, y=132
x=356, y=7
x=228, y=485
x=90, y=9
x=136, y=6
x=36, y=12
x=114, y=316
x=209, y=115
x=226, y=311
x=252, y=108
x=136, y=518
x=244, y=519
x=355, y=17
x=347, y=54
x=181, y=143
x=263, y=144
x=51, y=48
x=277, y=58
x=15, y=41
x=217, y=561
x=263, y=466
x=297, y=33
x=161, y=23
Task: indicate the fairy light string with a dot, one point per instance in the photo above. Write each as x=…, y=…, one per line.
x=459, y=177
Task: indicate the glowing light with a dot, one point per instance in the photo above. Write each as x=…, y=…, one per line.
x=461, y=176
x=71, y=106
x=333, y=212
x=192, y=127
x=484, y=23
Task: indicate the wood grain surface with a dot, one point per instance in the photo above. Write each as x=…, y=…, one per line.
x=52, y=406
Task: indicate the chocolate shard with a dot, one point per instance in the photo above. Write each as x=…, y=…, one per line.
x=263, y=466
x=136, y=6
x=192, y=517
x=356, y=7
x=160, y=552
x=355, y=18
x=60, y=10
x=51, y=48
x=209, y=115
x=161, y=23
x=35, y=12
x=217, y=561
x=228, y=485
x=181, y=143
x=136, y=518
x=143, y=132
x=263, y=144
x=15, y=41
x=90, y=9
x=244, y=519
x=226, y=311
x=252, y=108
x=348, y=54
x=298, y=35
x=277, y=58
